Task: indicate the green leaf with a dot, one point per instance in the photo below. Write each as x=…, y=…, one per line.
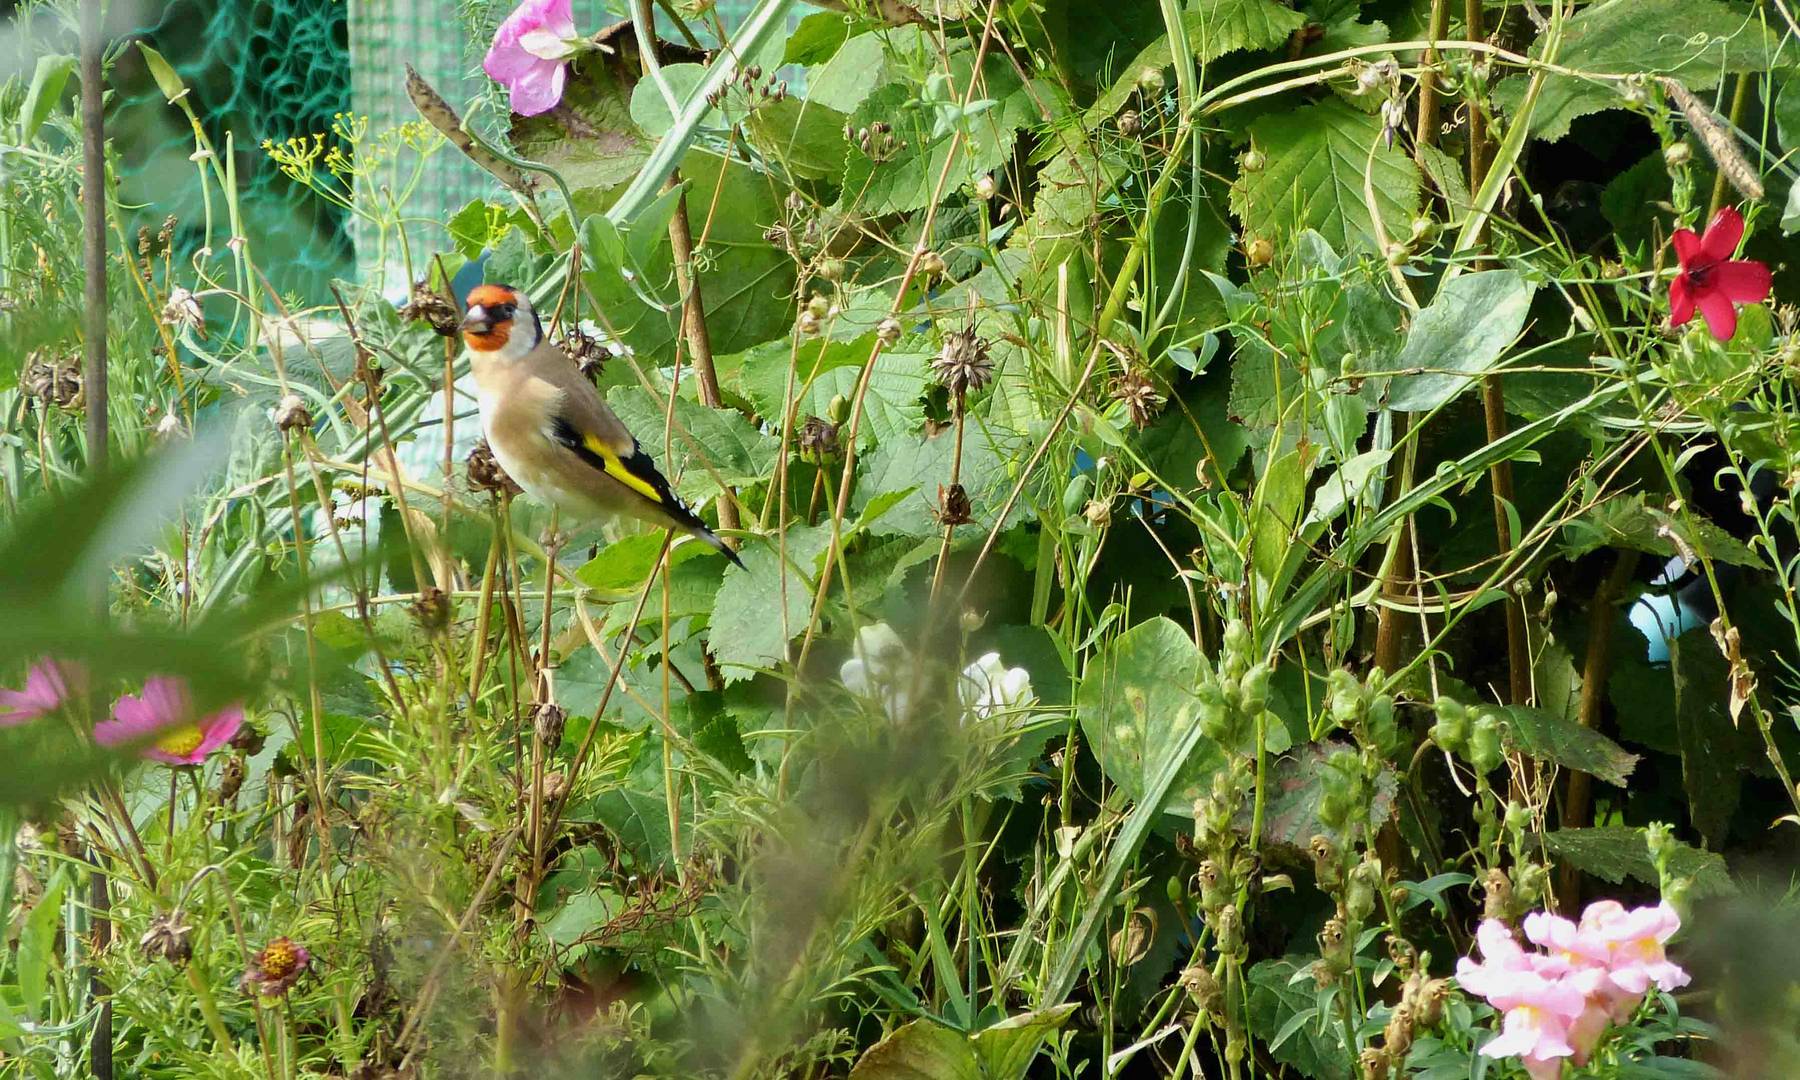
x=580, y=914
x=1697, y=41
x=650, y=110
x=1468, y=325
x=921, y=1050
x=806, y=138
x=1315, y=160
x=1627, y=521
x=37, y=947
x=719, y=439
x=1712, y=770
x=47, y=82
x=922, y=466
x=1276, y=997
x=892, y=406
x=816, y=39
x=1616, y=852
x=1214, y=28
x=904, y=177
x=765, y=605
x=1547, y=737
x=1275, y=521
x=589, y=138
x=1137, y=701
x=1006, y=1049
x=1291, y=807
x=745, y=281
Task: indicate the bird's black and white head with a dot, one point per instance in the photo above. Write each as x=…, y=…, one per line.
x=500, y=323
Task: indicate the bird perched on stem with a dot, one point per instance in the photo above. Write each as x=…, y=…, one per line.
x=550, y=430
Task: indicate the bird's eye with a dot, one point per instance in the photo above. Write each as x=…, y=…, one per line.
x=505, y=311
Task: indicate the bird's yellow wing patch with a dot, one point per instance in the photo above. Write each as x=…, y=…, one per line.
x=614, y=467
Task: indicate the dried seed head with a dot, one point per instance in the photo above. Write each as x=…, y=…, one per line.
x=931, y=264
x=54, y=382
x=432, y=610
x=1138, y=393
x=428, y=306
x=231, y=779
x=963, y=364
x=1374, y=1062
x=953, y=506
x=168, y=939
x=183, y=311
x=547, y=721
x=485, y=474
x=808, y=323
x=291, y=414
x=888, y=331
x=1718, y=139
x=555, y=786
x=1130, y=124
x=1203, y=987
x=818, y=440
x=588, y=351
x=819, y=305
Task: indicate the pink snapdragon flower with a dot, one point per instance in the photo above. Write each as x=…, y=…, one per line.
x=49, y=685
x=166, y=714
x=1558, y=1003
x=530, y=54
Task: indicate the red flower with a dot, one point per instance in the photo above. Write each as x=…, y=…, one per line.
x=1711, y=278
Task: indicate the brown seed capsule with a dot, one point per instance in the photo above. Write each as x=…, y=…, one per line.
x=231, y=779
x=1130, y=124
x=291, y=414
x=547, y=722
x=953, y=505
x=963, y=364
x=431, y=609
x=485, y=474
x=888, y=331
x=53, y=381
x=818, y=440
x=1139, y=396
x=429, y=306
x=168, y=939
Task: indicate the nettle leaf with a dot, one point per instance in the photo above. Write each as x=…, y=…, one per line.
x=922, y=466
x=1465, y=329
x=893, y=405
x=1628, y=522
x=921, y=1050
x=1280, y=992
x=1696, y=41
x=1315, y=160
x=720, y=439
x=765, y=605
x=806, y=138
x=1135, y=705
x=1291, y=807
x=904, y=177
x=747, y=283
x=1616, y=852
x=1547, y=737
x=1214, y=28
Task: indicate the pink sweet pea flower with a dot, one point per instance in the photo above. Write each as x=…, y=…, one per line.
x=166, y=713
x=530, y=54
x=49, y=685
x=1712, y=279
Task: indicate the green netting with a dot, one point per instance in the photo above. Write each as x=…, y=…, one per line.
x=254, y=71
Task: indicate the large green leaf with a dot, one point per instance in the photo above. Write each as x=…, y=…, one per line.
x=1696, y=41
x=1284, y=999
x=1627, y=521
x=923, y=467
x=1291, y=807
x=745, y=281
x=806, y=138
x=1214, y=28
x=766, y=603
x=1468, y=325
x=921, y=1050
x=1616, y=852
x=1712, y=770
x=1315, y=160
x=590, y=137
x=1137, y=702
x=1547, y=737
x=1006, y=1049
x=822, y=370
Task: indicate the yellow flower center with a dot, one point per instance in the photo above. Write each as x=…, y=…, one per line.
x=279, y=959
x=181, y=741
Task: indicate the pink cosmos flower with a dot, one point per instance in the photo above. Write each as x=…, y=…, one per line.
x=1712, y=279
x=167, y=713
x=530, y=54
x=48, y=686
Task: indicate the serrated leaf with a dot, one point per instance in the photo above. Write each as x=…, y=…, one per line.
x=1279, y=991
x=1627, y=521
x=806, y=138
x=892, y=406
x=650, y=110
x=1291, y=808
x=1315, y=160
x=923, y=466
x=1214, y=28
x=1547, y=737
x=590, y=137
x=1697, y=41
x=921, y=1050
x=1465, y=329
x=1136, y=701
x=816, y=38
x=765, y=604
x=1616, y=852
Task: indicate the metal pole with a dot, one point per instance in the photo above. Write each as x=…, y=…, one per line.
x=93, y=381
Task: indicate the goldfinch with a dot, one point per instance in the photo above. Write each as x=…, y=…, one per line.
x=550, y=430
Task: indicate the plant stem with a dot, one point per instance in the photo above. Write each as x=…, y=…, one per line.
x=1578, y=801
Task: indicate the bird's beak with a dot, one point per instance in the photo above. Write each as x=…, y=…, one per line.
x=476, y=322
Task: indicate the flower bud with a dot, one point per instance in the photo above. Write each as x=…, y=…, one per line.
x=888, y=331
x=1259, y=252
x=985, y=188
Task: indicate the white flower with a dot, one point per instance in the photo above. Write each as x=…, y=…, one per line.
x=879, y=668
x=169, y=426
x=988, y=686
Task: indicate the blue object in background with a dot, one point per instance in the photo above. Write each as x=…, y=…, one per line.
x=473, y=273
x=1663, y=617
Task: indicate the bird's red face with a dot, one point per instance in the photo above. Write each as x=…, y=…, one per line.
x=488, y=325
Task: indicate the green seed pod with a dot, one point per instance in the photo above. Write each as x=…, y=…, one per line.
x=1254, y=689
x=1451, y=732
x=1484, y=743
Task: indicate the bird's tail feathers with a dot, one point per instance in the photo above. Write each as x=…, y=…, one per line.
x=713, y=538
